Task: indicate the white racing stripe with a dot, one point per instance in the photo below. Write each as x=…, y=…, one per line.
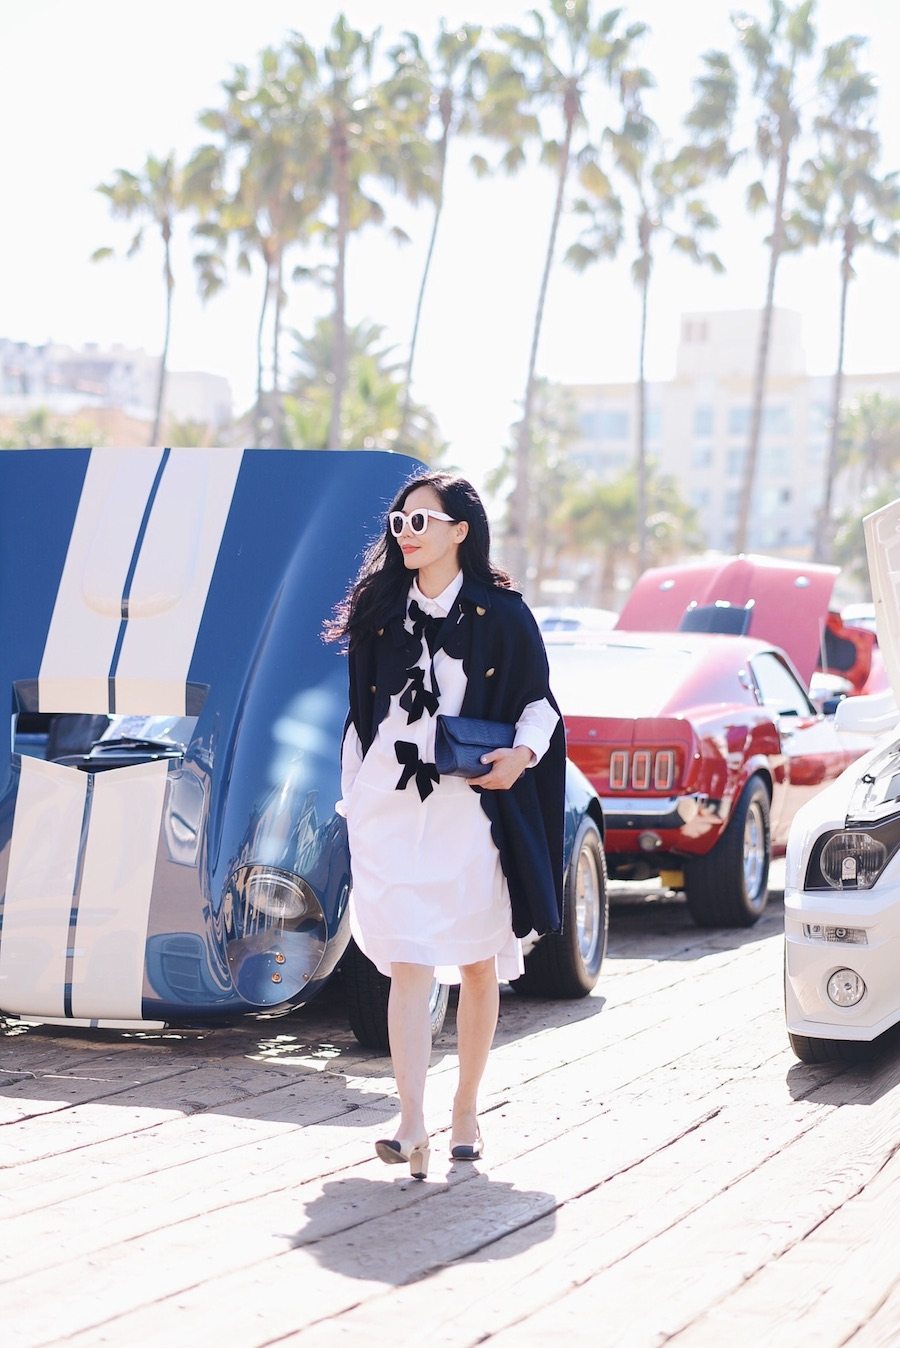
x=40, y=886
x=116, y=883
x=88, y=611
x=168, y=590
x=171, y=583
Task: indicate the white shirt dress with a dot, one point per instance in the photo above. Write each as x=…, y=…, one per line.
x=428, y=887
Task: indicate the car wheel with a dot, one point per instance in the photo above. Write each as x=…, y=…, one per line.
x=366, y=992
x=567, y=963
x=729, y=887
x=830, y=1050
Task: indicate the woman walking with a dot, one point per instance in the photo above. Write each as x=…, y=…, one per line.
x=446, y=878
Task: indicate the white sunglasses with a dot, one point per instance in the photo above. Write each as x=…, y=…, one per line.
x=417, y=520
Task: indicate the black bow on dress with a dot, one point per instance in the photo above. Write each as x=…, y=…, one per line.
x=426, y=774
x=416, y=698
x=424, y=625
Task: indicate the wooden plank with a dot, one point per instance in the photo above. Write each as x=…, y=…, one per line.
x=827, y=1287
x=628, y=1131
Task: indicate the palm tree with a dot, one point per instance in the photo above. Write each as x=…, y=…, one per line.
x=449, y=82
x=775, y=51
x=374, y=402
x=363, y=132
x=842, y=199
x=598, y=522
x=261, y=155
x=551, y=470
x=154, y=196
x=548, y=71
x=870, y=443
x=664, y=201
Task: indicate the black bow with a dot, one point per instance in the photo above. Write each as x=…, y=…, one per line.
x=416, y=698
x=423, y=624
x=426, y=774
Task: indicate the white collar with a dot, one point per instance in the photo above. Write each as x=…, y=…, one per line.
x=441, y=605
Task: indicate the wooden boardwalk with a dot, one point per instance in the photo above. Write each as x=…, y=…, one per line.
x=659, y=1169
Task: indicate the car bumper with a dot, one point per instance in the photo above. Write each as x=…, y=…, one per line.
x=810, y=962
x=642, y=812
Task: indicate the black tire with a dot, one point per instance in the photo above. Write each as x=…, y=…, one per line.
x=729, y=887
x=830, y=1050
x=366, y=993
x=567, y=963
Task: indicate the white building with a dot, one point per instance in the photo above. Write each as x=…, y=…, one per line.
x=698, y=427
x=68, y=381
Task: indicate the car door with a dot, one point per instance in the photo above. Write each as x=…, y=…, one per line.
x=813, y=750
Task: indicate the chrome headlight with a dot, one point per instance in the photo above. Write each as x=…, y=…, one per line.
x=853, y=857
x=263, y=898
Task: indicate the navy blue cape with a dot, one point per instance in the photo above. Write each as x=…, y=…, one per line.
x=494, y=633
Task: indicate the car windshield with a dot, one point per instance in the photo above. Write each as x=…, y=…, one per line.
x=161, y=729
x=616, y=680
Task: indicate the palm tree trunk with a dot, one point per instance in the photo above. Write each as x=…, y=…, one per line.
x=258, y=409
x=642, y=427
x=339, y=337
x=521, y=492
x=439, y=205
x=762, y=358
x=821, y=541
x=164, y=358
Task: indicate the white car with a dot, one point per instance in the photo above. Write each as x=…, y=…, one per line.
x=842, y=874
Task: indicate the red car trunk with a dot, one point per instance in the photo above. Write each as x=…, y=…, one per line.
x=654, y=754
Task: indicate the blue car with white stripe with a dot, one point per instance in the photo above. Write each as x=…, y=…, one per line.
x=169, y=847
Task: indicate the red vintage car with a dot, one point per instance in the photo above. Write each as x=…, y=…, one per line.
x=694, y=724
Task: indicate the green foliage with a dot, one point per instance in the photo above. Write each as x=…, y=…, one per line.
x=42, y=429
x=373, y=405
x=598, y=523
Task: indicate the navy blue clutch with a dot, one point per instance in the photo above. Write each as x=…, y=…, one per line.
x=460, y=741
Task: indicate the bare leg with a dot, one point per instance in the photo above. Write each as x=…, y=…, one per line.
x=409, y=1029
x=476, y=1021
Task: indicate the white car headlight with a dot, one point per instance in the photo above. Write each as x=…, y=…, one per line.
x=852, y=857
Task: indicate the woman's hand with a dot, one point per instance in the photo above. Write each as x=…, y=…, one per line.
x=507, y=766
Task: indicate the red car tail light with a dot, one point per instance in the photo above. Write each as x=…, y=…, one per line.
x=664, y=770
x=618, y=770
x=641, y=769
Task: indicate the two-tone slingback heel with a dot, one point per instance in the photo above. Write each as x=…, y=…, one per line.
x=398, y=1153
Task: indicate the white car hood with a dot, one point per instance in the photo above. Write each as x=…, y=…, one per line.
x=882, y=532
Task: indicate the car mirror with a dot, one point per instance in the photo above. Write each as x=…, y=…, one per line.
x=870, y=714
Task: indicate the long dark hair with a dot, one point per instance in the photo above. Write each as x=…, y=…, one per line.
x=383, y=579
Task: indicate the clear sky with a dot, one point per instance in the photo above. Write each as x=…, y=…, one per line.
x=91, y=86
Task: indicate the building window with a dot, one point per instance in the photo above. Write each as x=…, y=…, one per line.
x=735, y=462
x=604, y=424
x=696, y=330
x=702, y=456
x=700, y=498
x=819, y=417
x=776, y=460
x=703, y=421
x=738, y=420
x=732, y=502
x=613, y=425
x=654, y=423
x=777, y=419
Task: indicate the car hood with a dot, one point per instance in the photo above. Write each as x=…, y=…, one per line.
x=882, y=534
x=790, y=602
x=188, y=588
